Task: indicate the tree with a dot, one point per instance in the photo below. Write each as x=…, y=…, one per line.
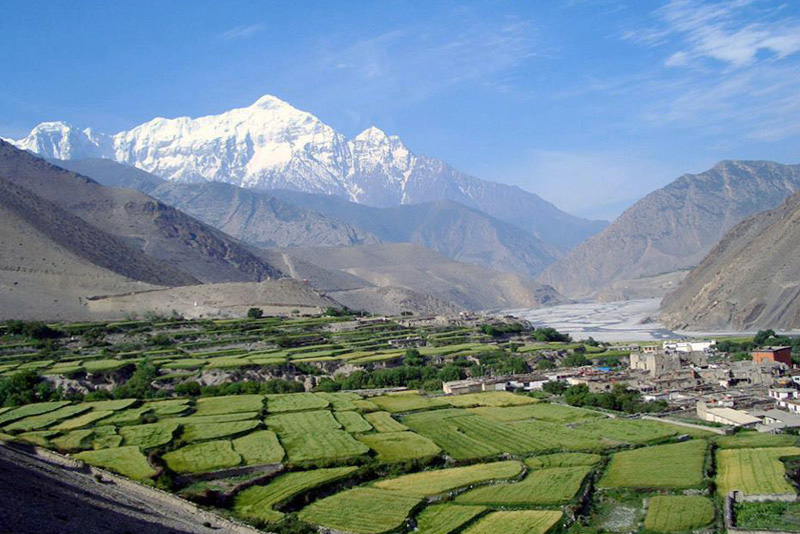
x=413, y=357
x=545, y=364
x=762, y=336
x=555, y=387
x=255, y=313
x=575, y=360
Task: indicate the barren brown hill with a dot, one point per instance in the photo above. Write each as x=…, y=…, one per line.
x=750, y=280
x=251, y=216
x=673, y=228
x=410, y=266
x=157, y=230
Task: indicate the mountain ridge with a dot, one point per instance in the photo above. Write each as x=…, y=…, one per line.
x=674, y=227
x=272, y=145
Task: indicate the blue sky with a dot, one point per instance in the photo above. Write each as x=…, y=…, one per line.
x=590, y=103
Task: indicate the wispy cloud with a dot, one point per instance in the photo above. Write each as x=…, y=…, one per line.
x=733, y=32
x=241, y=32
x=417, y=62
x=730, y=69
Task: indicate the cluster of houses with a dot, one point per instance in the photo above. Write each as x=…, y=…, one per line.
x=762, y=392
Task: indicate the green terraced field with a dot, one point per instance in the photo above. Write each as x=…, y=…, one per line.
x=678, y=465
x=128, y=461
x=303, y=422
x=516, y=522
x=557, y=485
x=200, y=457
x=38, y=422
x=361, y=510
x=323, y=444
x=82, y=420
x=554, y=413
x=489, y=398
x=383, y=422
x=678, y=513
x=259, y=502
x=445, y=518
x=406, y=403
x=73, y=441
x=148, y=436
x=400, y=446
x=754, y=471
x=754, y=440
x=205, y=431
x=434, y=482
x=229, y=404
x=566, y=459
x=260, y=447
x=353, y=422
x=295, y=402
x=634, y=431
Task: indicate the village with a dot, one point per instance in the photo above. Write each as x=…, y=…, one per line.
x=695, y=379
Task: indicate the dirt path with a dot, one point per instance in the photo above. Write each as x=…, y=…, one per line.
x=46, y=498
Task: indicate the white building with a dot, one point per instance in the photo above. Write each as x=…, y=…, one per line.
x=690, y=346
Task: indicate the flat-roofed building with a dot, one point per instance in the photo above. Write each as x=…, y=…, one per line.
x=773, y=354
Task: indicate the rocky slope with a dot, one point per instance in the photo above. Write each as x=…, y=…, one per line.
x=424, y=271
x=248, y=215
x=750, y=280
x=164, y=234
x=673, y=228
x=272, y=145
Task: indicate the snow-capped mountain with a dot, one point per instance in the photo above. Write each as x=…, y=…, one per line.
x=272, y=145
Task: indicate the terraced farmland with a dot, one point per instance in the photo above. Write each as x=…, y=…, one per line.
x=553, y=486
x=678, y=513
x=361, y=510
x=754, y=471
x=678, y=465
x=516, y=522
x=445, y=518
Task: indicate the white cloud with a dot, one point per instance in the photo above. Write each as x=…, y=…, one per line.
x=241, y=32
x=731, y=32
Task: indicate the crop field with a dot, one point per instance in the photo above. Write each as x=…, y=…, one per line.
x=754, y=471
x=353, y=422
x=128, y=461
x=516, y=522
x=754, y=440
x=678, y=513
x=206, y=456
x=430, y=483
x=489, y=398
x=383, y=422
x=553, y=413
x=553, y=486
x=361, y=510
x=406, y=403
x=445, y=518
x=629, y=430
x=295, y=402
x=229, y=404
x=678, y=465
x=261, y=447
x=150, y=435
x=205, y=431
x=564, y=459
x=399, y=446
x=259, y=502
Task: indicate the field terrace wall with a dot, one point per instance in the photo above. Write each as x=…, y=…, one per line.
x=736, y=496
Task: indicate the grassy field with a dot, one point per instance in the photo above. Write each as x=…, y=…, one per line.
x=128, y=461
x=516, y=522
x=199, y=457
x=261, y=447
x=323, y=444
x=259, y=502
x=361, y=510
x=205, y=431
x=634, y=431
x=678, y=465
x=564, y=459
x=407, y=403
x=303, y=423
x=769, y=516
x=150, y=435
x=38, y=422
x=295, y=402
x=353, y=422
x=678, y=513
x=489, y=398
x=554, y=413
x=754, y=471
x=399, y=446
x=434, y=482
x=229, y=404
x=73, y=441
x=82, y=420
x=754, y=440
x=445, y=518
x=383, y=422
x=557, y=485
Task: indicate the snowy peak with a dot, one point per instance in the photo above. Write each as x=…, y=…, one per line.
x=62, y=140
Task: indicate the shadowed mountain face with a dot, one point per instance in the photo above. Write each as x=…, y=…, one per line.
x=414, y=267
x=282, y=218
x=272, y=145
x=673, y=228
x=249, y=215
x=750, y=280
x=156, y=230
